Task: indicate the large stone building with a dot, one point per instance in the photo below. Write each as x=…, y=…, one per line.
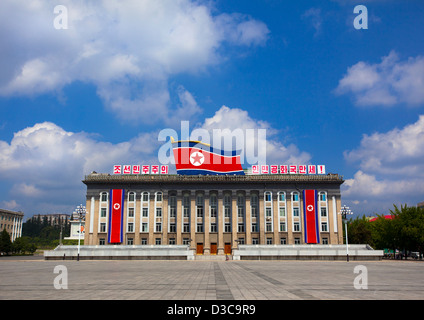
x=11, y=221
x=212, y=214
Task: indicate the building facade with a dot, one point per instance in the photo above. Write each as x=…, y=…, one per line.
x=11, y=221
x=212, y=214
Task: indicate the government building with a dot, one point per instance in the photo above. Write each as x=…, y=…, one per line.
x=213, y=214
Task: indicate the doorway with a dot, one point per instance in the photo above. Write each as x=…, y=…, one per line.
x=214, y=248
x=199, y=248
x=227, y=248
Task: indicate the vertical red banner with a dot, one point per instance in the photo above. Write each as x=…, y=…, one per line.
x=116, y=215
x=311, y=221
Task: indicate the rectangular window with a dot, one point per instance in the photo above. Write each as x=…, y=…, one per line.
x=102, y=227
x=282, y=211
x=213, y=212
x=227, y=227
x=102, y=242
x=158, y=241
x=254, y=212
x=324, y=227
x=158, y=212
x=268, y=240
x=200, y=228
x=254, y=227
x=130, y=241
x=267, y=196
x=268, y=212
x=268, y=226
x=213, y=227
x=241, y=227
x=144, y=241
x=130, y=227
x=283, y=241
x=145, y=212
x=186, y=227
x=103, y=212
x=296, y=226
x=282, y=197
x=144, y=227
x=145, y=196
x=296, y=240
x=171, y=241
x=295, y=212
x=104, y=196
x=255, y=241
x=323, y=212
x=158, y=227
x=282, y=226
x=322, y=196
x=131, y=197
x=295, y=197
x=172, y=227
x=130, y=212
x=159, y=197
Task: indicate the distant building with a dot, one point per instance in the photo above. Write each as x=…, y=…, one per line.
x=12, y=222
x=420, y=204
x=75, y=227
x=53, y=219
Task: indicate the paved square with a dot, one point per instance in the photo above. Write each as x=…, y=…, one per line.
x=211, y=280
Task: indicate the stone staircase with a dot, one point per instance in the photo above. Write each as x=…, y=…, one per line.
x=212, y=257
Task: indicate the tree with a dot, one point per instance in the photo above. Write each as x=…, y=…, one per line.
x=359, y=231
x=5, y=243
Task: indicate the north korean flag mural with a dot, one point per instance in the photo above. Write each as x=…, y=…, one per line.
x=116, y=215
x=311, y=221
x=194, y=157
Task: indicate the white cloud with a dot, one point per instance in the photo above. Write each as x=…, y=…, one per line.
x=387, y=83
x=314, y=15
x=128, y=49
x=238, y=119
x=391, y=168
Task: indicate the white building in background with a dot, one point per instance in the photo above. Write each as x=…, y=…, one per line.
x=11, y=221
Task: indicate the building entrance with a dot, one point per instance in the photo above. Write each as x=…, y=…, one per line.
x=199, y=248
x=214, y=248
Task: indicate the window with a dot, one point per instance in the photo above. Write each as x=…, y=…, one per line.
x=103, y=196
x=227, y=227
x=102, y=227
x=158, y=212
x=295, y=212
x=296, y=240
x=241, y=241
x=145, y=196
x=172, y=227
x=172, y=206
x=268, y=226
x=130, y=227
x=199, y=204
x=322, y=196
x=131, y=196
x=240, y=206
x=268, y=240
x=282, y=196
x=103, y=212
x=158, y=227
x=254, y=227
x=186, y=241
x=144, y=227
x=130, y=241
x=130, y=212
x=171, y=241
x=158, y=196
x=324, y=240
x=144, y=241
x=102, y=241
x=323, y=212
x=227, y=205
x=282, y=211
x=241, y=227
x=296, y=226
x=324, y=227
x=186, y=227
x=255, y=241
x=295, y=196
x=213, y=227
x=267, y=196
x=158, y=241
x=145, y=212
x=283, y=241
x=186, y=205
x=282, y=226
x=268, y=212
x=213, y=205
x=200, y=228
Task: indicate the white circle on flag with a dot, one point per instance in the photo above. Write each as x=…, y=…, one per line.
x=197, y=158
x=310, y=207
x=116, y=206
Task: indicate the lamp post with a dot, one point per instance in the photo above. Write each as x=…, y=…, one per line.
x=344, y=211
x=81, y=212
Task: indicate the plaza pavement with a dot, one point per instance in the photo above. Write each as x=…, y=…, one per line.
x=33, y=279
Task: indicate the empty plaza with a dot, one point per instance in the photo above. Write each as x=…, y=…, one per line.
x=210, y=280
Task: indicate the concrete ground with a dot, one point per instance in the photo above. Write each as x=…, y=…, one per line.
x=34, y=279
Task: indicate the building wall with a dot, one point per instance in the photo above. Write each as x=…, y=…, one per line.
x=167, y=223
x=11, y=221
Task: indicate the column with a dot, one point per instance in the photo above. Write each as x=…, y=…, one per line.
x=234, y=219
x=261, y=214
x=193, y=217
x=152, y=217
x=248, y=214
x=220, y=223
x=206, y=214
x=276, y=217
x=289, y=218
x=165, y=198
x=179, y=217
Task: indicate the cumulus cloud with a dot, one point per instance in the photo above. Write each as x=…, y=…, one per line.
x=391, y=166
x=45, y=163
x=233, y=119
x=127, y=49
x=390, y=82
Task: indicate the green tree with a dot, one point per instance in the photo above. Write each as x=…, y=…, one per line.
x=5, y=243
x=359, y=231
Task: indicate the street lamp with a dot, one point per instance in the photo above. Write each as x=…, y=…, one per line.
x=81, y=213
x=344, y=211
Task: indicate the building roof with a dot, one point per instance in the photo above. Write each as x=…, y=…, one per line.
x=387, y=217
x=4, y=211
x=96, y=178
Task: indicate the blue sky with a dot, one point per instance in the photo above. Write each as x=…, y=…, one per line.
x=97, y=93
